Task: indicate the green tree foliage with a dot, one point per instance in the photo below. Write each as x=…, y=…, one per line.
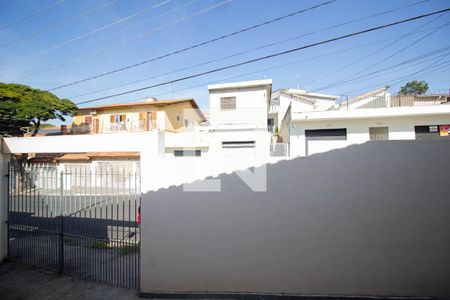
x=414, y=88
x=23, y=106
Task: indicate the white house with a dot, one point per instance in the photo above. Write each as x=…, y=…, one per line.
x=369, y=117
x=284, y=102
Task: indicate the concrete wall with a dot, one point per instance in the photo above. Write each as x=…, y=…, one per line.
x=400, y=128
x=370, y=219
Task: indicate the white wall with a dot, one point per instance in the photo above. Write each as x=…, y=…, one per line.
x=168, y=170
x=400, y=128
x=368, y=220
x=251, y=106
x=114, y=142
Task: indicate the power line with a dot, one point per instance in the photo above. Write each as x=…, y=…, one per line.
x=114, y=33
x=427, y=56
x=220, y=59
x=59, y=23
x=259, y=71
x=370, y=54
x=424, y=57
x=147, y=20
x=124, y=19
x=198, y=45
x=400, y=79
x=35, y=13
x=272, y=55
x=157, y=29
x=390, y=56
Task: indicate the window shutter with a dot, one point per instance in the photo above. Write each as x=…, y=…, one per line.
x=111, y=119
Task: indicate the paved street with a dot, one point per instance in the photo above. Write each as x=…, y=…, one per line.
x=22, y=282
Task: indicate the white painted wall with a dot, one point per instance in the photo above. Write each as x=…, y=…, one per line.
x=400, y=128
x=130, y=141
x=251, y=106
x=370, y=220
x=169, y=170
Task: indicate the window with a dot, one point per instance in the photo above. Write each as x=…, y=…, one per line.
x=432, y=132
x=228, y=103
x=179, y=153
x=117, y=118
x=326, y=134
x=238, y=144
x=379, y=133
x=178, y=118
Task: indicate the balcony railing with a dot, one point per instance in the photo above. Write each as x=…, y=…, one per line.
x=393, y=101
x=274, y=105
x=279, y=149
x=131, y=126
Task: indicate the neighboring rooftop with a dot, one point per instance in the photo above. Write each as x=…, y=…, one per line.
x=241, y=84
x=299, y=92
x=149, y=101
x=67, y=157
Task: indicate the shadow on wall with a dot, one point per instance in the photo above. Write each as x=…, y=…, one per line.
x=370, y=219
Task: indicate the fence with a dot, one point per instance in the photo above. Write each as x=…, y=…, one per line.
x=279, y=149
x=141, y=125
x=79, y=223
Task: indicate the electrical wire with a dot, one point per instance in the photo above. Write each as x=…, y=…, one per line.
x=33, y=14
x=154, y=30
x=198, y=45
x=223, y=58
x=89, y=33
x=59, y=23
x=389, y=57
x=272, y=55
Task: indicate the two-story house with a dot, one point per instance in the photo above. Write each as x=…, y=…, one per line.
x=152, y=114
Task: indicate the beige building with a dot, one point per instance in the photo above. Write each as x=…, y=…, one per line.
x=169, y=115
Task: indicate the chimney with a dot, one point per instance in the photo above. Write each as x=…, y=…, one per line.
x=63, y=129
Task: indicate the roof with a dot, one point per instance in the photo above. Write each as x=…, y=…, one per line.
x=97, y=155
x=367, y=95
x=53, y=130
x=298, y=92
x=87, y=157
x=385, y=112
x=146, y=103
x=241, y=84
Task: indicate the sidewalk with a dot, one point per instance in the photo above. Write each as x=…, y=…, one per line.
x=23, y=282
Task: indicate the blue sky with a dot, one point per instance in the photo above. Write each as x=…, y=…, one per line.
x=162, y=29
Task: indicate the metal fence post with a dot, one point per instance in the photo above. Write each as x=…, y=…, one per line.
x=61, y=233
x=8, y=178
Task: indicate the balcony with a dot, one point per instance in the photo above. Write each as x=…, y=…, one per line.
x=279, y=150
x=130, y=126
x=274, y=105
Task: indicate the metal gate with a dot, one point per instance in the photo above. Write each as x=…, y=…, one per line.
x=76, y=222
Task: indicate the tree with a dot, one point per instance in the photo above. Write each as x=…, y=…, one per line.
x=414, y=88
x=23, y=106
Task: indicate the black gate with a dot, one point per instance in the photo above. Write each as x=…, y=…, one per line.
x=77, y=222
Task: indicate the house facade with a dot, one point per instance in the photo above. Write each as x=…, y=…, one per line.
x=153, y=114
x=372, y=116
